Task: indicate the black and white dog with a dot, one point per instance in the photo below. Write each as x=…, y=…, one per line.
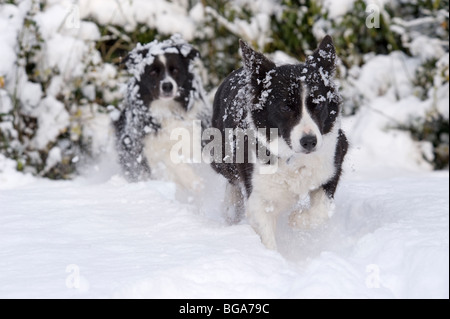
x=164, y=93
x=307, y=150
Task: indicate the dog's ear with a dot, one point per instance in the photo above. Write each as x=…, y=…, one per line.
x=194, y=54
x=255, y=62
x=133, y=58
x=324, y=56
x=187, y=51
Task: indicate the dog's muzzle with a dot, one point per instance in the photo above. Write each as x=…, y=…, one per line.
x=308, y=143
x=167, y=89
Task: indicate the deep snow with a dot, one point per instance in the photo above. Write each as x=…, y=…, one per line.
x=100, y=237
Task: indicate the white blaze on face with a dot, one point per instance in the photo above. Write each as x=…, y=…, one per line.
x=306, y=127
x=168, y=87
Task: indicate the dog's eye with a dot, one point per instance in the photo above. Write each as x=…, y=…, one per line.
x=154, y=72
x=173, y=70
x=286, y=108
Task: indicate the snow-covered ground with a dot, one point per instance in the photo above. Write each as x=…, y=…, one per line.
x=100, y=237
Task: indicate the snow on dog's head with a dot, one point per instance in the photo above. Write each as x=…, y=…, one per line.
x=300, y=100
x=162, y=70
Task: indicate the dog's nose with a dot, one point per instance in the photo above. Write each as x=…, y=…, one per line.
x=308, y=142
x=167, y=87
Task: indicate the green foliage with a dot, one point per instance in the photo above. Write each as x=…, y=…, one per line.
x=219, y=46
x=353, y=38
x=417, y=8
x=115, y=42
x=292, y=31
x=434, y=129
x=424, y=78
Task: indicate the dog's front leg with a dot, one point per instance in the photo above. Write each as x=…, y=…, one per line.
x=233, y=204
x=134, y=164
x=320, y=209
x=262, y=214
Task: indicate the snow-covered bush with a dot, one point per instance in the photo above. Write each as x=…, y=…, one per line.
x=55, y=87
x=419, y=29
x=357, y=34
x=61, y=72
x=423, y=27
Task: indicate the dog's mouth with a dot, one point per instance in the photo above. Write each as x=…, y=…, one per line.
x=167, y=95
x=302, y=151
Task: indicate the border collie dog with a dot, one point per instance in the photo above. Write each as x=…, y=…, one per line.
x=301, y=104
x=163, y=94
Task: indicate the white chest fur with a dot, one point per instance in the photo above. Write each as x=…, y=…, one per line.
x=292, y=182
x=300, y=174
x=159, y=147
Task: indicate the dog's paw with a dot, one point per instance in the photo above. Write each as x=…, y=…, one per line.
x=269, y=242
x=306, y=219
x=320, y=210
